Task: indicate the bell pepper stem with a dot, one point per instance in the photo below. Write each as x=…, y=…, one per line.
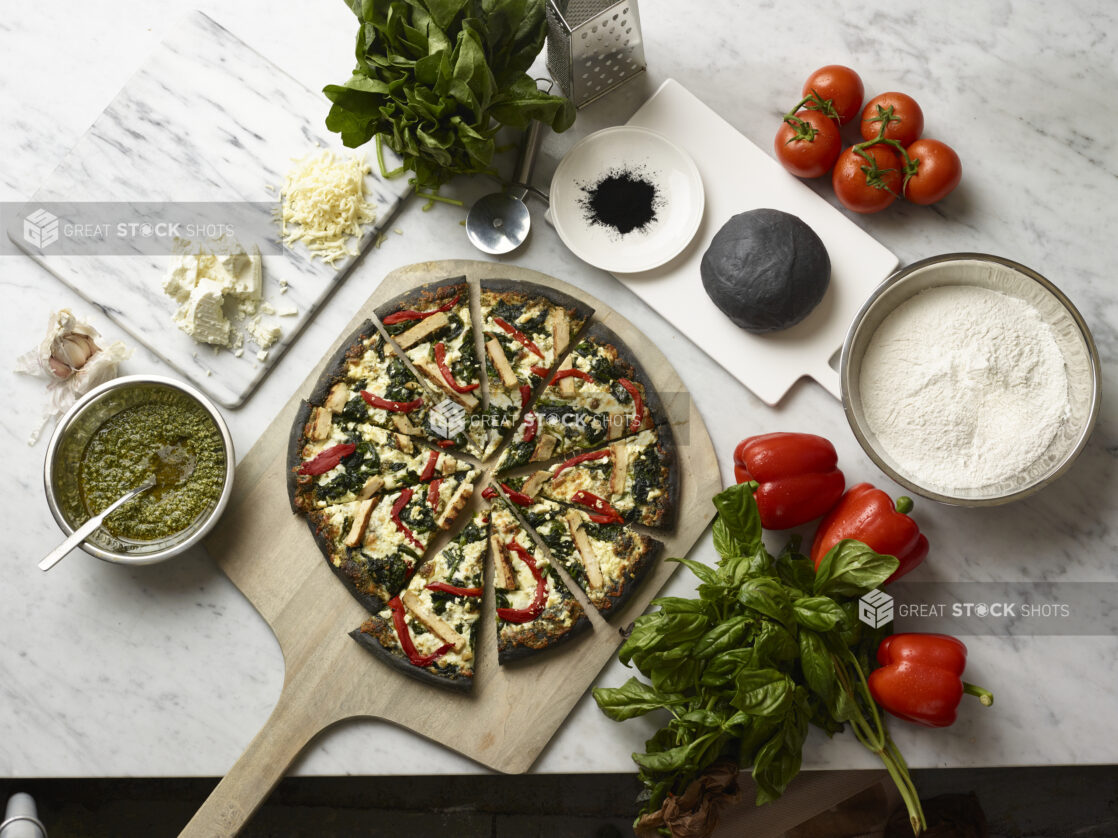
x=904, y=504
x=984, y=695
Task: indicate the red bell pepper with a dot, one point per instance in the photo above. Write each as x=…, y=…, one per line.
x=429, y=469
x=392, y=407
x=326, y=459
x=797, y=475
x=453, y=590
x=920, y=679
x=539, y=372
x=580, y=458
x=519, y=498
x=518, y=336
x=526, y=615
x=525, y=394
x=570, y=372
x=448, y=376
x=870, y=516
x=531, y=425
x=638, y=404
x=411, y=314
x=400, y=623
x=603, y=512
x=433, y=494
x=397, y=508
x=489, y=492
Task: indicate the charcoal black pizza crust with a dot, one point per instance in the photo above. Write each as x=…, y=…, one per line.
x=539, y=642
x=524, y=292
x=349, y=572
x=335, y=369
x=295, y=442
x=634, y=371
x=366, y=637
x=634, y=576
x=424, y=296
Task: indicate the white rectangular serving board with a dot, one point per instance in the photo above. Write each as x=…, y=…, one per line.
x=738, y=176
x=205, y=118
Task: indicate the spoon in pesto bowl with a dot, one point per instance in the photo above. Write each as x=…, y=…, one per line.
x=91, y=526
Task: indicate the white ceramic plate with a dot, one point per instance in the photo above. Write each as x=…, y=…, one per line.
x=653, y=157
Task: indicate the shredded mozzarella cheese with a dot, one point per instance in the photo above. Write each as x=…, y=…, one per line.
x=324, y=204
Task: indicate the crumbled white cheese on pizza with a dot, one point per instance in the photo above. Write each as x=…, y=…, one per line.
x=324, y=204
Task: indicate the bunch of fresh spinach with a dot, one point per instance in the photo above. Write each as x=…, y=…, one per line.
x=769, y=647
x=436, y=79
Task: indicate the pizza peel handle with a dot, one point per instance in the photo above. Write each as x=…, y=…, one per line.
x=263, y=764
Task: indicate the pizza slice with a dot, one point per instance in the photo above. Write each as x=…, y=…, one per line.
x=526, y=329
x=430, y=629
x=633, y=480
x=368, y=382
x=375, y=544
x=535, y=609
x=433, y=326
x=608, y=561
x=597, y=395
x=333, y=461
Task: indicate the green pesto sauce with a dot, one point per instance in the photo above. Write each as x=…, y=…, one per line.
x=154, y=438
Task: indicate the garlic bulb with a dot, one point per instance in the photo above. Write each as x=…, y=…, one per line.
x=72, y=361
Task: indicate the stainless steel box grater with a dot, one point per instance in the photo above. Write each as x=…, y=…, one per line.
x=593, y=46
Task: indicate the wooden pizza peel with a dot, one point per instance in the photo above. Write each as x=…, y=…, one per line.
x=513, y=712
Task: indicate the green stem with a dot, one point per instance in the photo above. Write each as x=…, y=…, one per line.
x=984, y=695
x=380, y=162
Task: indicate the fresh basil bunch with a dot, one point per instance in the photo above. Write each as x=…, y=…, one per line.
x=769, y=647
x=436, y=79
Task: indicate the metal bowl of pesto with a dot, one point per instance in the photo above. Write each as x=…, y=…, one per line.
x=986, y=427
x=112, y=439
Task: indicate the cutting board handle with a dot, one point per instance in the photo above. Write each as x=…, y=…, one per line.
x=257, y=772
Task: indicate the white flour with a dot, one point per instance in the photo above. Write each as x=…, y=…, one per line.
x=964, y=387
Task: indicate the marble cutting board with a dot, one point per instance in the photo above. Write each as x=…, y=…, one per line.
x=205, y=118
x=739, y=176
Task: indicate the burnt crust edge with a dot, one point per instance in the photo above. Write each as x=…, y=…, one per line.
x=369, y=641
x=521, y=652
x=553, y=295
x=420, y=295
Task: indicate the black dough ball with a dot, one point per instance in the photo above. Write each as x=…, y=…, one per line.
x=766, y=270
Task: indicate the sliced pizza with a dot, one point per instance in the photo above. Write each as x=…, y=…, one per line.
x=608, y=561
x=375, y=544
x=433, y=326
x=633, y=480
x=535, y=609
x=430, y=629
x=368, y=381
x=597, y=395
x=526, y=330
x=333, y=461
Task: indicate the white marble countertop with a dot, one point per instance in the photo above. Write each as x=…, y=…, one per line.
x=167, y=670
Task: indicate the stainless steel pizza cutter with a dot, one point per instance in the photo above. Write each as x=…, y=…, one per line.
x=499, y=222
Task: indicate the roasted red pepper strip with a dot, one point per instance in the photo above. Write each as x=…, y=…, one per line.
x=638, y=404
x=920, y=679
x=400, y=623
x=539, y=371
x=429, y=469
x=411, y=314
x=489, y=492
x=391, y=407
x=518, y=336
x=445, y=443
x=326, y=459
x=448, y=376
x=397, y=508
x=519, y=498
x=599, y=505
x=581, y=458
x=447, y=588
x=797, y=473
x=570, y=373
x=433, y=493
x=525, y=394
x=526, y=615
x=869, y=515
x=531, y=426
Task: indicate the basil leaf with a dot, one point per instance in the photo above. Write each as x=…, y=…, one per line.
x=676, y=676
x=767, y=596
x=721, y=637
x=681, y=605
x=665, y=762
x=706, y=573
x=850, y=569
x=819, y=613
x=633, y=698
x=755, y=733
x=649, y=632
x=795, y=569
x=817, y=666
x=737, y=531
x=762, y=692
x=778, y=760
x=773, y=645
x=722, y=668
x=701, y=718
x=736, y=569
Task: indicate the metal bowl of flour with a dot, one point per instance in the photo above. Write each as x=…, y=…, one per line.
x=1007, y=433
